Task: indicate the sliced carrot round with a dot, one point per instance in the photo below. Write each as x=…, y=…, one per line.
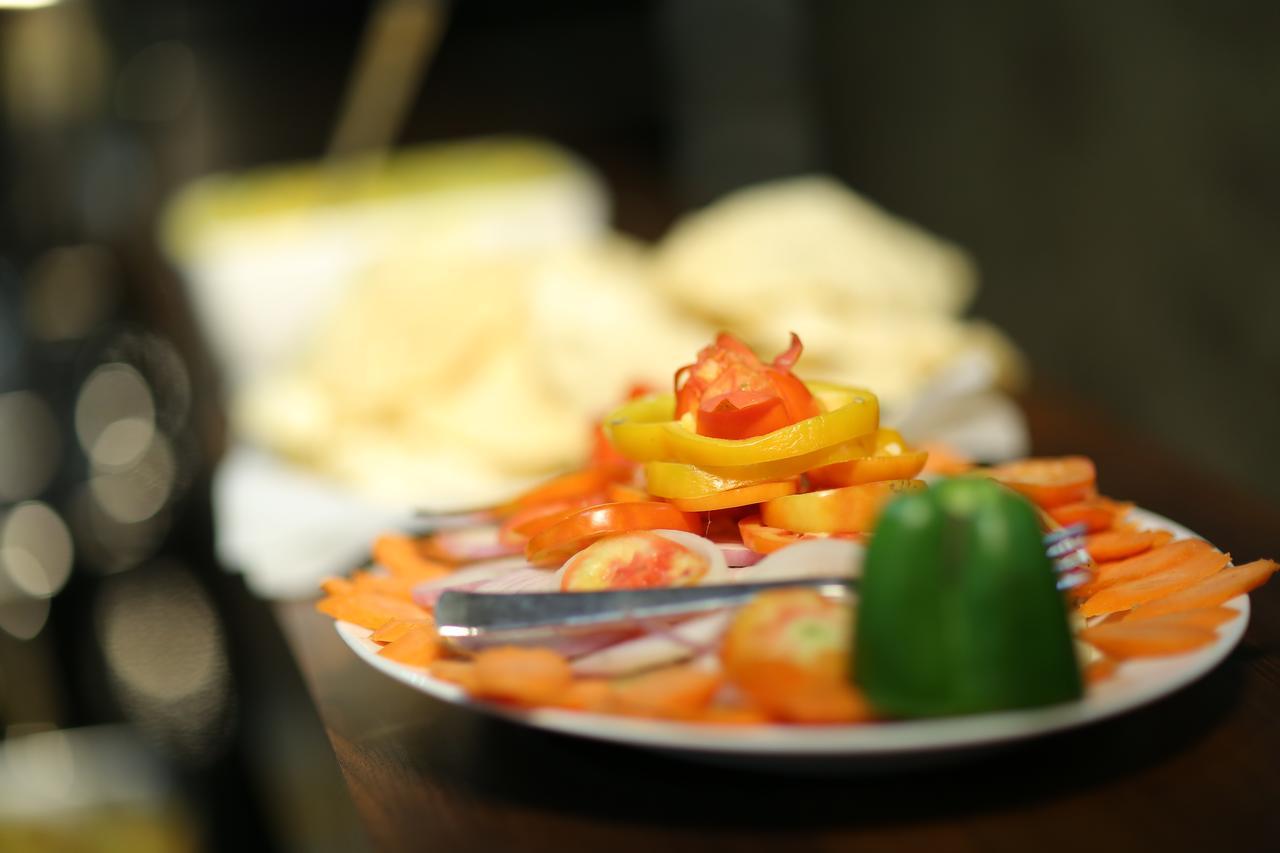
x=1050, y=482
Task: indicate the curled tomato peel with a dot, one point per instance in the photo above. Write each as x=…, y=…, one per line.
x=734, y=395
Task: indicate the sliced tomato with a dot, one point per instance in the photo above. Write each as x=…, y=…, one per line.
x=635, y=560
x=744, y=496
x=1050, y=482
x=764, y=539
x=851, y=509
x=571, y=534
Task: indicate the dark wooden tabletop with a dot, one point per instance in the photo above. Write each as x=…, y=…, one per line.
x=1199, y=770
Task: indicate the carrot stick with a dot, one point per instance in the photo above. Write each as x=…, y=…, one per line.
x=1153, y=562
x=397, y=628
x=418, y=647
x=459, y=672
x=1100, y=670
x=586, y=694
x=529, y=676
x=723, y=716
x=1129, y=639
x=402, y=556
x=337, y=586
x=369, y=609
x=1208, y=618
x=1209, y=592
x=1129, y=594
x=673, y=692
x=1118, y=544
x=396, y=586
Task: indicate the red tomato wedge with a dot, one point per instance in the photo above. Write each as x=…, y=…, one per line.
x=1050, y=482
x=734, y=395
x=579, y=529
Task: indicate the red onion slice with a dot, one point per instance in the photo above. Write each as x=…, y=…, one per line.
x=471, y=544
x=810, y=558
x=469, y=577
x=737, y=555
x=674, y=643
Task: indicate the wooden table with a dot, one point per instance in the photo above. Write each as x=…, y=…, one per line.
x=1199, y=770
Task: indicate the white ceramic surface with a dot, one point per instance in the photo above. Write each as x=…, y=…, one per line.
x=1136, y=683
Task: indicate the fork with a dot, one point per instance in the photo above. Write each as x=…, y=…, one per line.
x=476, y=619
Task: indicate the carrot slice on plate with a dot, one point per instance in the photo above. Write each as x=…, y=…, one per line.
x=396, y=586
x=1100, y=670
x=418, y=647
x=397, y=628
x=369, y=609
x=1049, y=482
x=733, y=716
x=1152, y=562
x=672, y=692
x=1209, y=592
x=1129, y=639
x=459, y=672
x=337, y=586
x=1208, y=618
x=586, y=694
x=530, y=676
x=1129, y=594
x=1095, y=514
x=1119, y=544
x=402, y=556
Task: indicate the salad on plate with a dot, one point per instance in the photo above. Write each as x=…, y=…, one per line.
x=744, y=472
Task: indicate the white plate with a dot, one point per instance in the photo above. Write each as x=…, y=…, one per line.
x=1136, y=683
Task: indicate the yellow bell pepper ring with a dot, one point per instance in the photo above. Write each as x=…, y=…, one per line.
x=732, y=498
x=682, y=481
x=644, y=430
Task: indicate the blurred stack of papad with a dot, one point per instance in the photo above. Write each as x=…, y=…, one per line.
x=440, y=328
x=877, y=300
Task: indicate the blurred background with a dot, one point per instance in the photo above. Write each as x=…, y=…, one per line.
x=1097, y=182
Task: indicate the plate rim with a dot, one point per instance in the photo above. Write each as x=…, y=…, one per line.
x=1155, y=679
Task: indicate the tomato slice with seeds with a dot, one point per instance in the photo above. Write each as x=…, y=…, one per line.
x=1050, y=481
x=636, y=560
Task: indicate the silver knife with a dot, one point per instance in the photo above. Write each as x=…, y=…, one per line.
x=472, y=618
